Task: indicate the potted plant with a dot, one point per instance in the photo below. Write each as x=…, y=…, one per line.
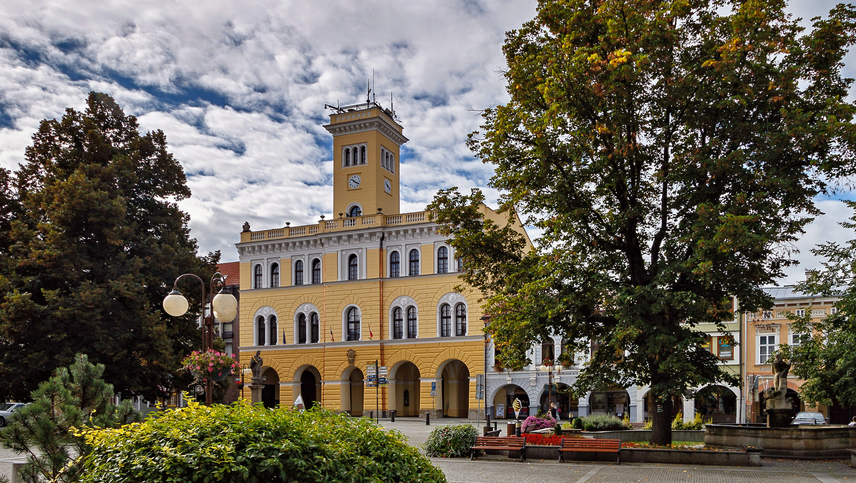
x=565, y=359
x=211, y=364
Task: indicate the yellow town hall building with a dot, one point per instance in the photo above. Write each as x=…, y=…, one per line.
x=323, y=302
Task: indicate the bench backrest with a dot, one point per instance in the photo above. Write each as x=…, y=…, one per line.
x=500, y=441
x=591, y=443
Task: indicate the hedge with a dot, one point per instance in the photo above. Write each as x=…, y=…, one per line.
x=253, y=444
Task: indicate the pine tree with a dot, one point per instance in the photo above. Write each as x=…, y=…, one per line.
x=44, y=431
x=95, y=240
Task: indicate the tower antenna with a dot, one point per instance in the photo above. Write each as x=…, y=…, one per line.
x=373, y=85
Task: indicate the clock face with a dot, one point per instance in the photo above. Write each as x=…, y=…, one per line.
x=354, y=181
x=387, y=186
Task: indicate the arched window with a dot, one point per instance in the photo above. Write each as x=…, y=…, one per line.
x=272, y=330
x=445, y=320
x=397, y=324
x=298, y=272
x=411, y=322
x=274, y=275
x=460, y=262
x=260, y=331
x=347, y=157
x=354, y=211
x=353, y=324
x=460, y=319
x=352, y=267
x=315, y=326
x=301, y=329
x=443, y=260
x=257, y=277
x=316, y=271
x=355, y=155
x=414, y=262
x=394, y=264
x=362, y=155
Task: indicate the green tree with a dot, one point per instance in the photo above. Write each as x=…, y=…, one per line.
x=826, y=358
x=96, y=239
x=46, y=430
x=670, y=152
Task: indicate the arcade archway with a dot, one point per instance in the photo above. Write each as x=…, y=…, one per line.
x=406, y=389
x=504, y=399
x=717, y=403
x=353, y=392
x=455, y=389
x=270, y=391
x=310, y=386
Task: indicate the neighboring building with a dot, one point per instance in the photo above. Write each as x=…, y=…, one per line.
x=227, y=330
x=325, y=301
x=765, y=331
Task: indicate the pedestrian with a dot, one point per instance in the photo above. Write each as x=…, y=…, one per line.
x=554, y=411
x=853, y=422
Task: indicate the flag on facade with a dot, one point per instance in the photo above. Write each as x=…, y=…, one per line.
x=331, y=336
x=283, y=336
x=370, y=332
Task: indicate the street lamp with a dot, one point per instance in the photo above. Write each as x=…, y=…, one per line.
x=550, y=370
x=224, y=306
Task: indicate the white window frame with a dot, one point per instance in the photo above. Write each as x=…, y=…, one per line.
x=345, y=323
x=351, y=146
x=772, y=346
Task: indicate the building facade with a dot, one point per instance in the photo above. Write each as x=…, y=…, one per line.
x=326, y=303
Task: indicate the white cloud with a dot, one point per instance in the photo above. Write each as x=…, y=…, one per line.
x=239, y=90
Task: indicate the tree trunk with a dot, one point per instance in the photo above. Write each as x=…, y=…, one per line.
x=661, y=430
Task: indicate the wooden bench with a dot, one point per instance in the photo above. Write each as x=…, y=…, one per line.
x=505, y=443
x=579, y=445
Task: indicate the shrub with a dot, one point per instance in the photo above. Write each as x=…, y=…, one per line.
x=697, y=423
x=452, y=441
x=604, y=423
x=533, y=423
x=648, y=424
x=250, y=443
x=578, y=423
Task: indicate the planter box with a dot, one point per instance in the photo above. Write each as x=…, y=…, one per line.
x=695, y=435
x=643, y=455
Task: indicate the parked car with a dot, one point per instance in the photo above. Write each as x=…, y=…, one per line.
x=809, y=419
x=6, y=411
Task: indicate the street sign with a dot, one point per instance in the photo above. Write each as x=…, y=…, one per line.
x=433, y=387
x=433, y=393
x=479, y=386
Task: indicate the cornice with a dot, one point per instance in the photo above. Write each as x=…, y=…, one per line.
x=363, y=125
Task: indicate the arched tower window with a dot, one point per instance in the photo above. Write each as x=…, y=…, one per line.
x=316, y=271
x=353, y=267
x=354, y=211
x=347, y=157
x=397, y=324
x=353, y=324
x=315, y=328
x=460, y=320
x=257, y=277
x=274, y=275
x=394, y=264
x=443, y=260
x=301, y=329
x=298, y=272
x=272, y=330
x=362, y=155
x=411, y=322
x=260, y=331
x=445, y=320
x=414, y=262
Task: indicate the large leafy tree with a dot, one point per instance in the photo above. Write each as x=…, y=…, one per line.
x=96, y=238
x=670, y=152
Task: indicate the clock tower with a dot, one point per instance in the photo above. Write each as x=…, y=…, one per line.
x=366, y=155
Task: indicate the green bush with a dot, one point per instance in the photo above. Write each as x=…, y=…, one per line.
x=250, y=443
x=578, y=423
x=451, y=441
x=604, y=423
x=697, y=423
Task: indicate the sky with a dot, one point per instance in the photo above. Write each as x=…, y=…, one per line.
x=239, y=89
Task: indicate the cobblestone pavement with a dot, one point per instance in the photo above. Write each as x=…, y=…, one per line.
x=491, y=469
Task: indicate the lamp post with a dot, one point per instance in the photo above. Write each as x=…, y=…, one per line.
x=550, y=369
x=224, y=307
x=486, y=319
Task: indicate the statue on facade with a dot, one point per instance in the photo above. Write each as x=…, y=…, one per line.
x=256, y=366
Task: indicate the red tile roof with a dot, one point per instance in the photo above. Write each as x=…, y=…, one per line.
x=232, y=272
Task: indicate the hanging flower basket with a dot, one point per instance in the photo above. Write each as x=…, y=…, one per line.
x=211, y=364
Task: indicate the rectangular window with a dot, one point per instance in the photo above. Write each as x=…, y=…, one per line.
x=799, y=312
x=766, y=347
x=799, y=338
